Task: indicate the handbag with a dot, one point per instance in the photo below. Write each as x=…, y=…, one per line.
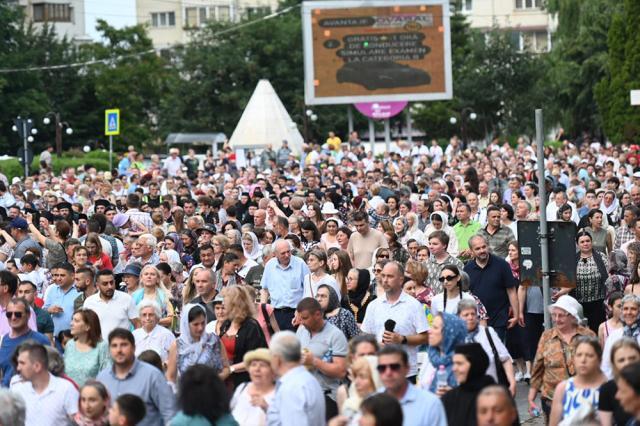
x=500, y=373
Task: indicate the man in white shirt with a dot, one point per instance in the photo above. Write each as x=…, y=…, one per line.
x=401, y=311
x=49, y=399
x=173, y=163
x=115, y=309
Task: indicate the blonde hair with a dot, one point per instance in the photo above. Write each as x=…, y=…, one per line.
x=189, y=290
x=238, y=303
x=159, y=285
x=222, y=240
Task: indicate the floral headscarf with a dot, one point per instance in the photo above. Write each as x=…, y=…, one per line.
x=454, y=332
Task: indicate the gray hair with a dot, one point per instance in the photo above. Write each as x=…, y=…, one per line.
x=55, y=363
x=478, y=237
x=286, y=345
x=465, y=304
x=267, y=250
x=12, y=408
x=148, y=239
x=631, y=298
x=150, y=304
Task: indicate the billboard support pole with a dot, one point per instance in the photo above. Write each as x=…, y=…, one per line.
x=387, y=135
x=350, y=118
x=372, y=136
x=409, y=125
x=544, y=233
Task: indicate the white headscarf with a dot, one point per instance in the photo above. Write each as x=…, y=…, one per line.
x=256, y=252
x=190, y=349
x=172, y=256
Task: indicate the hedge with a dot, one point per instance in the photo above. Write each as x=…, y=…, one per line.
x=99, y=159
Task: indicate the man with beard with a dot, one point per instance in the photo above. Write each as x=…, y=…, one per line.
x=115, y=309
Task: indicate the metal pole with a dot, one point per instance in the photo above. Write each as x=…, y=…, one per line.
x=544, y=236
x=58, y=135
x=350, y=118
x=372, y=136
x=110, y=153
x=387, y=135
x=25, y=155
x=409, y=126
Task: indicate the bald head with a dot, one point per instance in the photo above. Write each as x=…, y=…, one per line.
x=283, y=252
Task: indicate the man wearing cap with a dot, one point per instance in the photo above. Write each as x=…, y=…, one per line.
x=100, y=206
x=115, y=309
x=205, y=234
x=20, y=233
x=173, y=163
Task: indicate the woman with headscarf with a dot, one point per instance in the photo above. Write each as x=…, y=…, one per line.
x=618, y=272
x=359, y=294
x=447, y=331
x=400, y=227
x=610, y=206
x=169, y=256
x=438, y=222
x=173, y=241
x=252, y=247
x=470, y=363
x=195, y=346
x=334, y=313
x=413, y=230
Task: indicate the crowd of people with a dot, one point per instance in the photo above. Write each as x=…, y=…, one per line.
x=333, y=287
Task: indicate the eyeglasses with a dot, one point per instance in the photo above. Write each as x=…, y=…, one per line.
x=447, y=278
x=11, y=314
x=383, y=367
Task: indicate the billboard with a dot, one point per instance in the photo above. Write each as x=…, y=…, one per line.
x=376, y=51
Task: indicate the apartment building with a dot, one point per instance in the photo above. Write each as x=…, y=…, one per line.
x=529, y=22
x=171, y=23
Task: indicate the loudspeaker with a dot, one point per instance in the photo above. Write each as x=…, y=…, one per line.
x=562, y=253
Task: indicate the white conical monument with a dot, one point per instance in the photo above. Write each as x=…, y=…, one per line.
x=265, y=121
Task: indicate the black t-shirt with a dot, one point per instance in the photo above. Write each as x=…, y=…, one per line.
x=608, y=402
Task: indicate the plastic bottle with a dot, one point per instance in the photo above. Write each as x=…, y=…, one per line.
x=441, y=377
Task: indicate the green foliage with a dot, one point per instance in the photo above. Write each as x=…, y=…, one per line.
x=578, y=61
x=621, y=120
x=99, y=159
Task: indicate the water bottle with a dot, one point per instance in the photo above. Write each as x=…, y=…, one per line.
x=441, y=377
x=536, y=413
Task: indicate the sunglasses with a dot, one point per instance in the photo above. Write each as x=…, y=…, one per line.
x=393, y=367
x=378, y=270
x=447, y=278
x=11, y=314
x=383, y=256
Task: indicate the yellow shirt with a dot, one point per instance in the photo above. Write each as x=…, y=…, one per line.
x=334, y=143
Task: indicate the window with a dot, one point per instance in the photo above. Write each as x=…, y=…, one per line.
x=534, y=41
x=203, y=15
x=224, y=13
x=464, y=5
x=52, y=12
x=191, y=17
x=163, y=19
x=253, y=12
x=528, y=4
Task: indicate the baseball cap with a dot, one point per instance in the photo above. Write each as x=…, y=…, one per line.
x=19, y=223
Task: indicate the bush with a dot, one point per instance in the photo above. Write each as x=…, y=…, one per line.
x=12, y=167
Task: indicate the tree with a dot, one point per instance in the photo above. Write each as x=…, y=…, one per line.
x=621, y=120
x=578, y=61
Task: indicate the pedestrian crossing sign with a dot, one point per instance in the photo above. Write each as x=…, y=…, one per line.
x=112, y=122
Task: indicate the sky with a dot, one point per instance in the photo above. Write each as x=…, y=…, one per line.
x=118, y=13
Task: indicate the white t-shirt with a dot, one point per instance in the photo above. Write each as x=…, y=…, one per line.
x=56, y=405
x=437, y=303
x=159, y=340
x=310, y=289
x=115, y=313
x=172, y=165
x=409, y=316
x=246, y=413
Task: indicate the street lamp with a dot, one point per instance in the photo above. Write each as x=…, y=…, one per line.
x=24, y=128
x=59, y=126
x=466, y=112
x=308, y=115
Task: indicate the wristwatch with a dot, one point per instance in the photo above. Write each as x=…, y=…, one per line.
x=404, y=340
